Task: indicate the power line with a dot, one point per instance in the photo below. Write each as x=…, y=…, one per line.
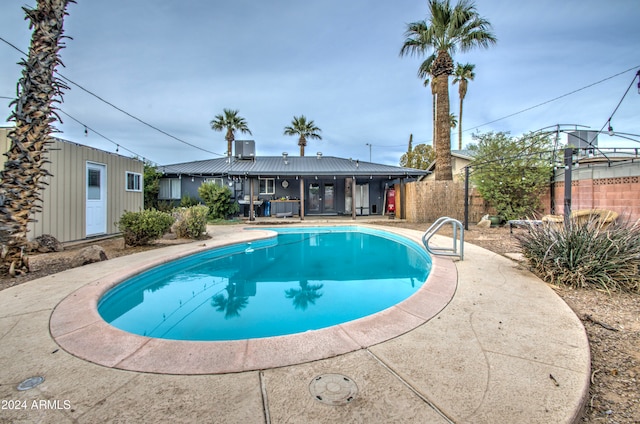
x=135, y=117
x=637, y=75
x=552, y=100
x=118, y=108
x=118, y=145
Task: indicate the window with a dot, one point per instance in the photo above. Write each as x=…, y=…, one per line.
x=134, y=181
x=93, y=184
x=267, y=186
x=216, y=181
x=169, y=189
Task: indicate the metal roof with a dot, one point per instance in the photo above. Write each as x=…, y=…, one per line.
x=291, y=165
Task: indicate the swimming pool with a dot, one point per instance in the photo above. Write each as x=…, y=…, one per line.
x=303, y=279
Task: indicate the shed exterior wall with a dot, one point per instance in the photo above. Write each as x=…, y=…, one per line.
x=63, y=212
x=64, y=199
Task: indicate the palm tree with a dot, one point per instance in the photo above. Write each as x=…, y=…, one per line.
x=303, y=128
x=38, y=89
x=448, y=29
x=306, y=295
x=462, y=75
x=232, y=304
x=231, y=122
x=424, y=72
x=453, y=121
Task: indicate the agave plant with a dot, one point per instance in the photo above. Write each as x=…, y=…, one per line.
x=585, y=255
x=38, y=89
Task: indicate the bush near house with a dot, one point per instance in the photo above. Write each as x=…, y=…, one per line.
x=218, y=199
x=151, y=185
x=511, y=173
x=585, y=255
x=187, y=201
x=140, y=228
x=190, y=222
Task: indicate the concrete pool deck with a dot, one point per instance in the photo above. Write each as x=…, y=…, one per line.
x=505, y=349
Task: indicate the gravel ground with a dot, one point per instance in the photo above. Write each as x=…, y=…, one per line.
x=612, y=320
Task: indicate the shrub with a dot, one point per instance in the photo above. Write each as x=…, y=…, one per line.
x=165, y=206
x=140, y=228
x=190, y=222
x=151, y=185
x=585, y=255
x=187, y=201
x=511, y=173
x=218, y=199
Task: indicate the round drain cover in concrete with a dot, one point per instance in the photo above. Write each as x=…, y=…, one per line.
x=30, y=383
x=333, y=389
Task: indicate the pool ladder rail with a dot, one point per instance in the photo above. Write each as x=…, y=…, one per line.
x=458, y=242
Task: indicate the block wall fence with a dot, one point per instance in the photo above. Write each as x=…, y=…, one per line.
x=613, y=188
x=619, y=194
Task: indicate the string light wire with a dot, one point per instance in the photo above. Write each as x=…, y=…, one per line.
x=118, y=108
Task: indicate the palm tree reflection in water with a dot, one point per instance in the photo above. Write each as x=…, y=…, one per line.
x=304, y=296
x=232, y=304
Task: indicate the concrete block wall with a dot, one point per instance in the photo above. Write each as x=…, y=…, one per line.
x=619, y=194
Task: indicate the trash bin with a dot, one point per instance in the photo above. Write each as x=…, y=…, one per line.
x=267, y=208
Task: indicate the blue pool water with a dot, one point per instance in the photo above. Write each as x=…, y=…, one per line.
x=304, y=279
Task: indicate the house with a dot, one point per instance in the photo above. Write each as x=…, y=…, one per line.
x=459, y=160
x=289, y=185
x=87, y=193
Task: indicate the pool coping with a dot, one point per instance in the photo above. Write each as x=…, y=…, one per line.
x=77, y=327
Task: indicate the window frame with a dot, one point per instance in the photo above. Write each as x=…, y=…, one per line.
x=137, y=177
x=173, y=183
x=269, y=183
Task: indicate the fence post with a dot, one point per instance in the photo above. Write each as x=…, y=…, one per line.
x=568, y=159
x=466, y=198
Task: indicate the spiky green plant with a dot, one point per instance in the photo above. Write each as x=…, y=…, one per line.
x=585, y=255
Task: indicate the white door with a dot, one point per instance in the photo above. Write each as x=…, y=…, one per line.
x=362, y=199
x=96, y=199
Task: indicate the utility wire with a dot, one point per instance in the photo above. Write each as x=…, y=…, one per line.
x=135, y=117
x=552, y=100
x=118, y=145
x=118, y=108
x=637, y=75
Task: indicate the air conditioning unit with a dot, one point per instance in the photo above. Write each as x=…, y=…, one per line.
x=583, y=139
x=245, y=149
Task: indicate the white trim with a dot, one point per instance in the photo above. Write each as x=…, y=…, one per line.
x=96, y=208
x=138, y=180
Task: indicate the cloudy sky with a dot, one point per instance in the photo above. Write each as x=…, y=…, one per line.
x=176, y=64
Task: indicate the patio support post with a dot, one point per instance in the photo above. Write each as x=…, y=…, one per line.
x=403, y=203
x=252, y=216
x=301, y=199
x=568, y=159
x=353, y=198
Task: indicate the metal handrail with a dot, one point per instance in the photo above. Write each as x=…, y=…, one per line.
x=445, y=251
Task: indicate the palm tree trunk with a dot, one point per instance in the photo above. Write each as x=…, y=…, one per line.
x=21, y=184
x=229, y=138
x=433, y=113
x=443, y=130
x=302, y=142
x=460, y=125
